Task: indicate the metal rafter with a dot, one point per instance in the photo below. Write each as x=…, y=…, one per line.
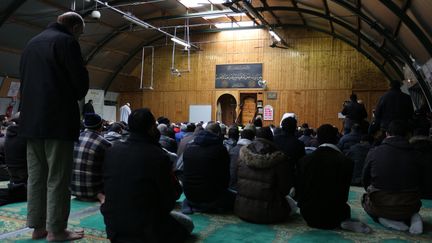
x=389, y=37
x=265, y=4
x=294, y=3
x=358, y=25
x=427, y=44
x=10, y=10
x=346, y=26
x=327, y=12
x=405, y=7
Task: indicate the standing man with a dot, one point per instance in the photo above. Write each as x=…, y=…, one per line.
x=88, y=108
x=354, y=113
x=393, y=105
x=125, y=112
x=53, y=79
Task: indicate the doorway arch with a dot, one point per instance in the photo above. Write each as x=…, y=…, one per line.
x=226, y=109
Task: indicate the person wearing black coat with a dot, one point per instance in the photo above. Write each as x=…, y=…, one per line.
x=323, y=183
x=53, y=80
x=423, y=145
x=88, y=108
x=15, y=149
x=206, y=172
x=354, y=113
x=393, y=105
x=392, y=179
x=288, y=143
x=139, y=186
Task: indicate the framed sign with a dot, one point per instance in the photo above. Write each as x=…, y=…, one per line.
x=268, y=113
x=272, y=95
x=238, y=75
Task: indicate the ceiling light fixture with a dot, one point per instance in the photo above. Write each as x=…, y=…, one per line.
x=272, y=33
x=178, y=41
x=136, y=21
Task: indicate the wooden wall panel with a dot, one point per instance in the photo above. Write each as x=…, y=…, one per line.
x=312, y=78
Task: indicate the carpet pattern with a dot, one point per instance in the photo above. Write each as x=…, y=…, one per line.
x=223, y=228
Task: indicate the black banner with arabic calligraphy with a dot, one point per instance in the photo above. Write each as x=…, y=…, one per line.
x=238, y=75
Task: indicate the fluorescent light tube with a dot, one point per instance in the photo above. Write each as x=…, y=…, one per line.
x=136, y=21
x=181, y=42
x=272, y=33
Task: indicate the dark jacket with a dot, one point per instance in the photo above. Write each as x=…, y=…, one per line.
x=392, y=166
x=263, y=183
x=323, y=185
x=168, y=143
x=206, y=168
x=292, y=147
x=234, y=155
x=358, y=153
x=348, y=140
x=139, y=185
x=424, y=146
x=15, y=148
x=53, y=79
x=88, y=108
x=393, y=105
x=354, y=111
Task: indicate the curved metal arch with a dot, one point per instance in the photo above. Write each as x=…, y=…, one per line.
x=403, y=51
x=344, y=25
x=427, y=44
x=10, y=10
x=124, y=62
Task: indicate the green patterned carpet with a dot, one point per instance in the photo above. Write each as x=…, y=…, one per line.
x=223, y=228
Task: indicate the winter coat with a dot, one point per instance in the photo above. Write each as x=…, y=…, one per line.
x=139, y=185
x=234, y=155
x=168, y=143
x=392, y=166
x=262, y=183
x=206, y=168
x=424, y=146
x=348, y=140
x=393, y=105
x=15, y=148
x=229, y=143
x=358, y=153
x=53, y=80
x=113, y=136
x=323, y=183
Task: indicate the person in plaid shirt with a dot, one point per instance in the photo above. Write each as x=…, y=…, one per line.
x=89, y=151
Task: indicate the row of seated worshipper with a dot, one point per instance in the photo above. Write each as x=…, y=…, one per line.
x=265, y=177
x=138, y=167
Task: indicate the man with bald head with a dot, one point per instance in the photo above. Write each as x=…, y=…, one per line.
x=53, y=80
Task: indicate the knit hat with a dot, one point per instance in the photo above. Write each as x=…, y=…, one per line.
x=92, y=120
x=141, y=120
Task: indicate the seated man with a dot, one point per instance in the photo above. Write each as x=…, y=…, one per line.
x=391, y=177
x=15, y=149
x=263, y=181
x=323, y=183
x=140, y=186
x=89, y=152
x=206, y=173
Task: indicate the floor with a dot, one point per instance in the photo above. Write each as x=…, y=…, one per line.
x=222, y=228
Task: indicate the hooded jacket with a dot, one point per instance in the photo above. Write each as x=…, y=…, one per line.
x=262, y=183
x=206, y=168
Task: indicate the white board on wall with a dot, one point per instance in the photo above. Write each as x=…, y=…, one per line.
x=199, y=113
x=109, y=113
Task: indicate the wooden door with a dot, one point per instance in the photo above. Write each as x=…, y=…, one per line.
x=248, y=110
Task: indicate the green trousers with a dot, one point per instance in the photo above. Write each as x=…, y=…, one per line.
x=49, y=168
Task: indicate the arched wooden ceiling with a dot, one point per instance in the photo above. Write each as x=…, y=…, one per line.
x=391, y=33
